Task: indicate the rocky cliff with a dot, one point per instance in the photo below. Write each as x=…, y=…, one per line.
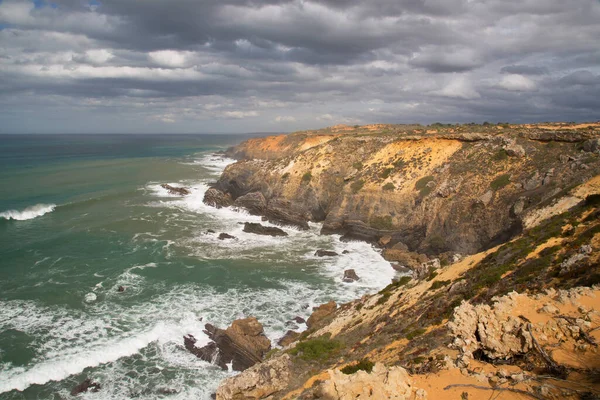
x=517, y=315
x=433, y=189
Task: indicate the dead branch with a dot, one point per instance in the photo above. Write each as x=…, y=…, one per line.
x=554, y=368
x=582, y=334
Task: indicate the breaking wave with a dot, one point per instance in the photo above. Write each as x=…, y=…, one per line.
x=28, y=213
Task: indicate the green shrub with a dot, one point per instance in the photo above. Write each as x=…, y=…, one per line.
x=501, y=155
x=500, y=182
x=381, y=222
x=386, y=173
x=413, y=334
x=389, y=186
x=306, y=177
x=362, y=365
x=384, y=298
x=357, y=165
x=357, y=185
x=285, y=176
x=399, y=163
x=422, y=183
x=432, y=274
x=438, y=284
x=318, y=349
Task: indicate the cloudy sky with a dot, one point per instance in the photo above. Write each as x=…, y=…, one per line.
x=284, y=65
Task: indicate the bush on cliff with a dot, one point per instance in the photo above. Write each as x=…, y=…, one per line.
x=318, y=349
x=362, y=365
x=306, y=177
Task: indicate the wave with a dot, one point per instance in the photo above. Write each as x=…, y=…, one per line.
x=28, y=213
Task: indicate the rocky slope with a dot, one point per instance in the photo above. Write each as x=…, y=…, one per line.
x=434, y=189
x=517, y=315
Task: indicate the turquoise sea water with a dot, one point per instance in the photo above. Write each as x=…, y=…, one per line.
x=82, y=215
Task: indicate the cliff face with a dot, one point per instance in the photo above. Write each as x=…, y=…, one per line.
x=437, y=189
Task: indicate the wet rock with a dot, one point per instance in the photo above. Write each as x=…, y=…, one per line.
x=320, y=313
x=243, y=344
x=216, y=198
x=345, y=252
x=175, y=190
x=300, y=320
x=254, y=202
x=325, y=253
x=289, y=337
x=350, y=276
x=85, y=386
x=224, y=236
x=210, y=231
x=252, y=227
x=121, y=289
x=258, y=382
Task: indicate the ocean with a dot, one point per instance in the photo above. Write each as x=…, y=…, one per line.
x=81, y=215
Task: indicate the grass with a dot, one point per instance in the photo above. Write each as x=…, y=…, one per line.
x=381, y=222
x=389, y=186
x=285, y=176
x=500, y=155
x=357, y=185
x=362, y=365
x=438, y=284
x=306, y=177
x=421, y=185
x=386, y=173
x=384, y=298
x=500, y=182
x=318, y=349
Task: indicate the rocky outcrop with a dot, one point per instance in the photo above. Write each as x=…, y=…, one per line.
x=320, y=313
x=253, y=227
x=258, y=382
x=216, y=198
x=243, y=344
x=223, y=236
x=288, y=338
x=381, y=383
x=435, y=190
x=175, y=190
x=350, y=276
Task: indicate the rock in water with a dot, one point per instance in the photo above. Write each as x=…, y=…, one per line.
x=215, y=198
x=254, y=202
x=243, y=344
x=175, y=190
x=121, y=289
x=85, y=386
x=350, y=276
x=320, y=313
x=300, y=320
x=325, y=253
x=224, y=236
x=252, y=227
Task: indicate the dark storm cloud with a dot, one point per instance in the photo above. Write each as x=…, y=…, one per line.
x=291, y=64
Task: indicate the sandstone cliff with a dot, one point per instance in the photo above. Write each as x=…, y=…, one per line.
x=434, y=189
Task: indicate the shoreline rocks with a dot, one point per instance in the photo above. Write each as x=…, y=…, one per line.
x=253, y=227
x=175, y=190
x=350, y=276
x=320, y=313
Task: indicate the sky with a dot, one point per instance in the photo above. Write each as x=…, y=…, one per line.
x=187, y=66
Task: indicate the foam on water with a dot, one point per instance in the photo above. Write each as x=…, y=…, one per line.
x=28, y=213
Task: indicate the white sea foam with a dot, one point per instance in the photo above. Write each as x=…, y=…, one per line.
x=28, y=213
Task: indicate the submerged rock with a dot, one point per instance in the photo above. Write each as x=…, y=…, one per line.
x=243, y=344
x=350, y=276
x=176, y=190
x=253, y=227
x=224, y=236
x=85, y=386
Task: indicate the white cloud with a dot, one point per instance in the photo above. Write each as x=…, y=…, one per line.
x=516, y=83
x=285, y=118
x=325, y=117
x=169, y=58
x=459, y=88
x=98, y=56
x=240, y=114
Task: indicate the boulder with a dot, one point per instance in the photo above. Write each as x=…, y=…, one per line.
x=254, y=202
x=514, y=150
x=216, y=198
x=325, y=253
x=320, y=313
x=253, y=227
x=85, y=386
x=243, y=344
x=402, y=257
x=224, y=236
x=258, y=382
x=284, y=212
x=176, y=190
x=591, y=145
x=381, y=383
x=289, y=337
x=300, y=320
x=350, y=276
